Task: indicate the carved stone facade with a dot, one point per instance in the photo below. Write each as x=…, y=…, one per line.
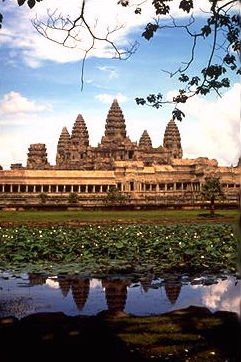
x=75, y=153
x=144, y=175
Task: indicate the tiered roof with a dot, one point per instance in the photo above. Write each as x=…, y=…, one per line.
x=145, y=140
x=172, y=139
x=80, y=135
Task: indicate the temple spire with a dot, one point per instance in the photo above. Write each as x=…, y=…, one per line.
x=172, y=139
x=63, y=148
x=115, y=127
x=145, y=140
x=80, y=135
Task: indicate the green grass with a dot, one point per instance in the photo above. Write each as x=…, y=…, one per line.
x=113, y=216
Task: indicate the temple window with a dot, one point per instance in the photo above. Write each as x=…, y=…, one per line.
x=178, y=186
x=90, y=188
x=45, y=188
x=14, y=188
x=30, y=188
x=75, y=188
x=68, y=188
x=148, y=187
x=170, y=186
x=97, y=188
x=130, y=154
x=38, y=188
x=22, y=188
x=161, y=186
x=61, y=188
x=53, y=188
x=131, y=186
x=119, y=184
x=185, y=186
x=7, y=188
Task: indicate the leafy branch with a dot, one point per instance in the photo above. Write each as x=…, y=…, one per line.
x=221, y=27
x=221, y=24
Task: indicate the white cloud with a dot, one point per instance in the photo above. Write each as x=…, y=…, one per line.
x=108, y=98
x=212, y=128
x=13, y=102
x=109, y=17
x=222, y=296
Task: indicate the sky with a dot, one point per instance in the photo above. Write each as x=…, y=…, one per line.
x=41, y=89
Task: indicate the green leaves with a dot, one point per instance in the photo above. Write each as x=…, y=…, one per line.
x=222, y=26
x=131, y=247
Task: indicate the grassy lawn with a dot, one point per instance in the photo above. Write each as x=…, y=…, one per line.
x=152, y=216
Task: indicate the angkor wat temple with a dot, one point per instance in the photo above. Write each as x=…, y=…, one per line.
x=143, y=176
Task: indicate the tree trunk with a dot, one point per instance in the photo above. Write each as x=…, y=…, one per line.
x=212, y=207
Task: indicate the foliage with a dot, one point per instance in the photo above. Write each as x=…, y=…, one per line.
x=212, y=190
x=115, y=196
x=111, y=248
x=30, y=3
x=222, y=25
x=73, y=198
x=220, y=31
x=43, y=197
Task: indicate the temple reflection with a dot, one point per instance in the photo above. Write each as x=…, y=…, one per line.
x=74, y=294
x=115, y=289
x=116, y=293
x=173, y=288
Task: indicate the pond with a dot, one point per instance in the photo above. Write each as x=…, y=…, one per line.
x=29, y=293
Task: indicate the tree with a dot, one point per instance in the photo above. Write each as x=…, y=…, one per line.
x=220, y=31
x=212, y=190
x=73, y=198
x=43, y=198
x=114, y=196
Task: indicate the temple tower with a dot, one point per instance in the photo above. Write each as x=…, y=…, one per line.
x=115, y=144
x=172, y=139
x=115, y=127
x=37, y=157
x=63, y=146
x=145, y=140
x=79, y=142
x=80, y=136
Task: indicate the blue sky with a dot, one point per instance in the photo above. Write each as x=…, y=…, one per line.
x=41, y=92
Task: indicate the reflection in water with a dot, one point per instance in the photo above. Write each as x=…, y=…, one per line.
x=115, y=293
x=173, y=288
x=73, y=295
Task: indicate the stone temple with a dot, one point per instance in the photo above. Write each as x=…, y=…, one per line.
x=141, y=175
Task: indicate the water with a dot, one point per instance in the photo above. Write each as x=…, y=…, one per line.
x=31, y=293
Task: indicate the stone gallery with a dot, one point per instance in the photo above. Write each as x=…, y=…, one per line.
x=118, y=172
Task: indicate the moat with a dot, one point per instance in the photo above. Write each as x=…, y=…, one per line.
x=25, y=294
